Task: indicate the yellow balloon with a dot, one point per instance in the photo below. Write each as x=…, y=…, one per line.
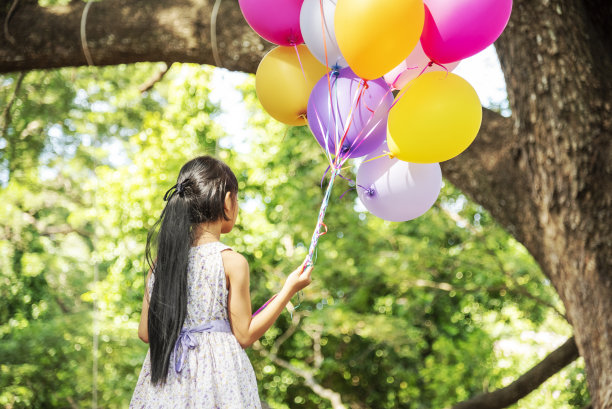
x=437, y=118
x=280, y=84
x=374, y=36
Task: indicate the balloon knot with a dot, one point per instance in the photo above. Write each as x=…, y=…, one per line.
x=431, y=63
x=335, y=70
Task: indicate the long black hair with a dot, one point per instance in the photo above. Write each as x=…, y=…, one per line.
x=197, y=197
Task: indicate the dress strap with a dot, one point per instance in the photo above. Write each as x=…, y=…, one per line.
x=221, y=247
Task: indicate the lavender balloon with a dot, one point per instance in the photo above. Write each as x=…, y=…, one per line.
x=329, y=118
x=395, y=190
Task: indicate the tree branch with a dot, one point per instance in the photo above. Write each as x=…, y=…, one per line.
x=154, y=79
x=295, y=322
x=128, y=31
x=334, y=397
x=314, y=332
x=526, y=383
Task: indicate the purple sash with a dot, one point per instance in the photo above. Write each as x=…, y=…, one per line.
x=187, y=342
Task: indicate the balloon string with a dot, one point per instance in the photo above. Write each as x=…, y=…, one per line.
x=432, y=62
x=264, y=306
x=365, y=161
x=345, y=192
x=325, y=152
x=324, y=131
x=324, y=37
x=322, y=210
x=394, y=83
x=400, y=95
x=300, y=60
x=359, y=94
x=367, y=124
x=403, y=91
x=324, y=174
x=309, y=261
x=332, y=109
x=377, y=157
x=334, y=70
x=429, y=64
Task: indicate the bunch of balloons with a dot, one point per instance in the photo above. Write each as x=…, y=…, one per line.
x=373, y=78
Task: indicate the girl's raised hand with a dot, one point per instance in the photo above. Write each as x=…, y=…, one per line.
x=298, y=279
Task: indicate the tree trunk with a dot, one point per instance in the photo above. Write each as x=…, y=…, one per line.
x=545, y=173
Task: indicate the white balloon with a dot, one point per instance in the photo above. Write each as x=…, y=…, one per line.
x=415, y=64
x=313, y=31
x=395, y=190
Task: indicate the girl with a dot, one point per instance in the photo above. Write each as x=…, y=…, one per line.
x=196, y=312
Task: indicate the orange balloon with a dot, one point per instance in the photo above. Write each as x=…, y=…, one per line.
x=283, y=88
x=374, y=36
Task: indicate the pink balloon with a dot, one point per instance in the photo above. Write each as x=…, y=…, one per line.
x=277, y=21
x=458, y=29
x=416, y=63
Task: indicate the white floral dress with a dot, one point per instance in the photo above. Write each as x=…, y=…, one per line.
x=215, y=372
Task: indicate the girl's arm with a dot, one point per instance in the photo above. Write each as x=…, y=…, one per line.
x=143, y=327
x=248, y=329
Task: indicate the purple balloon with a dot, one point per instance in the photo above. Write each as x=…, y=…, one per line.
x=328, y=117
x=395, y=190
x=278, y=21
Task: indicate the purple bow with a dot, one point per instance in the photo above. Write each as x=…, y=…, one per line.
x=187, y=341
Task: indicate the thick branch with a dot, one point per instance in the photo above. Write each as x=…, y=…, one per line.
x=128, y=31
x=487, y=172
x=528, y=382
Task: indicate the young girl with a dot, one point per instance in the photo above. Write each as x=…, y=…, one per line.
x=196, y=311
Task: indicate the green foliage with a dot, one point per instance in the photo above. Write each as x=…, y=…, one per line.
x=421, y=314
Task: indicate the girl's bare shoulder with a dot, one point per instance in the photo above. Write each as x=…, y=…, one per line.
x=234, y=263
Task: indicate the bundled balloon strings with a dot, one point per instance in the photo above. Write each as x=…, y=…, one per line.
x=341, y=154
x=340, y=157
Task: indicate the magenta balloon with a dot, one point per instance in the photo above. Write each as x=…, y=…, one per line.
x=278, y=21
x=328, y=118
x=457, y=29
x=395, y=190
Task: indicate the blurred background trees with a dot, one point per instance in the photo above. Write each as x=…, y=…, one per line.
x=422, y=314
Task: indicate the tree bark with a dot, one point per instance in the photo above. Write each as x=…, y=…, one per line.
x=128, y=31
x=544, y=174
